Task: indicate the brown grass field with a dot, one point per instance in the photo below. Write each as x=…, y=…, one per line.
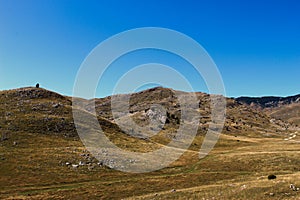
x=33, y=158
x=34, y=169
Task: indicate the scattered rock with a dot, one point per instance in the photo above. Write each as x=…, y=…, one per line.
x=81, y=163
x=293, y=187
x=56, y=105
x=173, y=190
x=75, y=166
x=8, y=114
x=67, y=163
x=243, y=187
x=271, y=194
x=4, y=137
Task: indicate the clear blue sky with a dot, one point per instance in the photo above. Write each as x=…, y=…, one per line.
x=255, y=44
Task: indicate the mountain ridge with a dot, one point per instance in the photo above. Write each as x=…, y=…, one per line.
x=242, y=98
x=281, y=108
x=41, y=110
x=269, y=101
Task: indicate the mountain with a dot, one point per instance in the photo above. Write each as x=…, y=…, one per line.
x=269, y=101
x=282, y=108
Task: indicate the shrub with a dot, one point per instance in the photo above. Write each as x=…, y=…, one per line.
x=272, y=176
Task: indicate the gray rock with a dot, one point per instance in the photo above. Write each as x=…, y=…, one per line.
x=293, y=187
x=81, y=163
x=75, y=166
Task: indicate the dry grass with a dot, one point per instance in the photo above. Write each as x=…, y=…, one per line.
x=249, y=150
x=34, y=169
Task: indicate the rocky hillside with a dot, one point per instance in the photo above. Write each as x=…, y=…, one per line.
x=269, y=101
x=281, y=108
x=241, y=119
x=37, y=110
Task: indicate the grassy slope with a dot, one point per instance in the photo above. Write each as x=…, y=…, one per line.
x=289, y=113
x=34, y=168
x=283, y=108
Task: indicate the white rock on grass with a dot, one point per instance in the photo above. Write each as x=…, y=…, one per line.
x=75, y=166
x=81, y=163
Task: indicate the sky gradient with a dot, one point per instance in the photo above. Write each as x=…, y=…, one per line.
x=255, y=44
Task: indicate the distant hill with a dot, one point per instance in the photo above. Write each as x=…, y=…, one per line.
x=269, y=101
x=283, y=108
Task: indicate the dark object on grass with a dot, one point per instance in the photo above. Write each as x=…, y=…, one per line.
x=4, y=137
x=37, y=85
x=272, y=176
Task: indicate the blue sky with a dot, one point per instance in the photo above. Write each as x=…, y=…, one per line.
x=255, y=44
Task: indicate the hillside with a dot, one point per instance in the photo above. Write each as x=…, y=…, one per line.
x=282, y=108
x=36, y=110
x=41, y=111
x=240, y=119
x=42, y=157
x=269, y=101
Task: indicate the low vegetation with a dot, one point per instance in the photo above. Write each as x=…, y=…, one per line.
x=45, y=159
